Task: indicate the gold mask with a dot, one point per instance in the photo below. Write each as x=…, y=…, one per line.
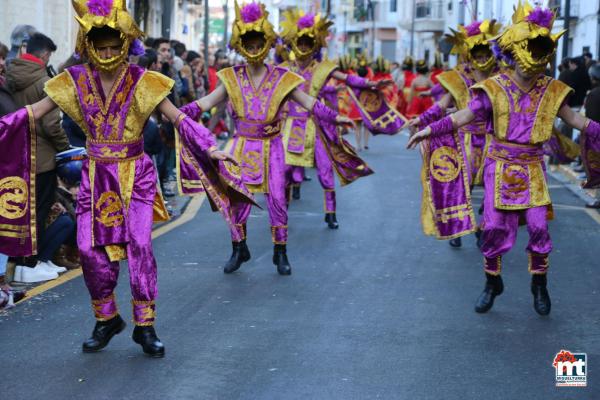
x=107, y=64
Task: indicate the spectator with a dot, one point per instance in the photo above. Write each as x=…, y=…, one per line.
x=3, y=54
x=579, y=81
x=149, y=60
x=8, y=296
x=588, y=60
x=26, y=77
x=592, y=107
x=196, y=63
x=18, y=41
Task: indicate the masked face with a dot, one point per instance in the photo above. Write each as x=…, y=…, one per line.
x=254, y=47
x=482, y=58
x=107, y=53
x=533, y=55
x=304, y=47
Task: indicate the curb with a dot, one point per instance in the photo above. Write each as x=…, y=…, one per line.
x=568, y=177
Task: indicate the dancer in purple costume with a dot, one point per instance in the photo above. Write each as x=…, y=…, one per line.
x=521, y=106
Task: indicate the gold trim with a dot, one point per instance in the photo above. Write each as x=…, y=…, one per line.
x=32, y=183
x=455, y=84
x=548, y=108
x=104, y=105
x=500, y=104
x=229, y=79
x=288, y=82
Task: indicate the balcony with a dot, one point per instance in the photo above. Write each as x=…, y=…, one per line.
x=429, y=17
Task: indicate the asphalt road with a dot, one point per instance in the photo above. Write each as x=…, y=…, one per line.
x=375, y=310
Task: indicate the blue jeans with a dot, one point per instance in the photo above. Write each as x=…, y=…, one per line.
x=61, y=231
x=3, y=261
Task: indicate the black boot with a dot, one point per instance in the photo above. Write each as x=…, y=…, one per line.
x=296, y=192
x=281, y=261
x=102, y=333
x=239, y=255
x=456, y=242
x=541, y=299
x=493, y=287
x=331, y=221
x=151, y=344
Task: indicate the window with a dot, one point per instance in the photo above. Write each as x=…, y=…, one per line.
x=393, y=5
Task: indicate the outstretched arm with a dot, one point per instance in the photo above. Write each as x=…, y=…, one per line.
x=434, y=113
x=310, y=103
x=176, y=117
x=360, y=83
x=443, y=126
x=575, y=120
x=209, y=101
x=42, y=107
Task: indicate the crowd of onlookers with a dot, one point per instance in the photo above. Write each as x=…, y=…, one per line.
x=24, y=69
x=583, y=75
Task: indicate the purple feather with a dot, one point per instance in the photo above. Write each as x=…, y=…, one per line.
x=306, y=21
x=542, y=17
x=473, y=28
x=251, y=12
x=101, y=8
x=137, y=48
x=500, y=55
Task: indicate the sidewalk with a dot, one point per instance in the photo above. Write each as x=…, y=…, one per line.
x=573, y=181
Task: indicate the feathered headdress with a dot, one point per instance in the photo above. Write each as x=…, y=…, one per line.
x=530, y=24
x=297, y=24
x=105, y=13
x=252, y=17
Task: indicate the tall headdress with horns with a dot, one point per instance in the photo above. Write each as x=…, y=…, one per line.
x=297, y=24
x=529, y=40
x=252, y=17
x=99, y=14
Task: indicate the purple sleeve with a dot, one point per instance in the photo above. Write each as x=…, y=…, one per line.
x=324, y=113
x=195, y=135
x=192, y=110
x=437, y=92
x=357, y=82
x=431, y=115
x=444, y=126
x=481, y=106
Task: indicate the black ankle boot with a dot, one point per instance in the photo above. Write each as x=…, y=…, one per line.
x=331, y=220
x=281, y=261
x=456, y=242
x=102, y=333
x=541, y=298
x=479, y=236
x=239, y=255
x=493, y=287
x=151, y=344
x=296, y=192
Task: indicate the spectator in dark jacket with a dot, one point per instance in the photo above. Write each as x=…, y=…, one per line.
x=592, y=106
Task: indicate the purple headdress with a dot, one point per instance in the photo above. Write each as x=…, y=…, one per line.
x=473, y=28
x=306, y=21
x=251, y=12
x=137, y=48
x=101, y=8
x=541, y=16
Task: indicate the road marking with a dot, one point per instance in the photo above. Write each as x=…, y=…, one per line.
x=190, y=212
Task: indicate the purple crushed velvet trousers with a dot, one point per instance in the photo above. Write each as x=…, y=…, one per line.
x=500, y=230
x=101, y=274
x=276, y=199
x=324, y=168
